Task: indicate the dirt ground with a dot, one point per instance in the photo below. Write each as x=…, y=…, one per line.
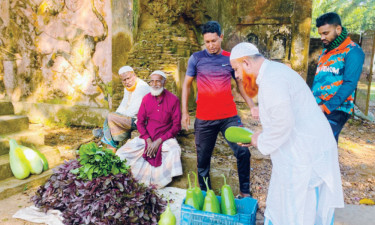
x=356, y=156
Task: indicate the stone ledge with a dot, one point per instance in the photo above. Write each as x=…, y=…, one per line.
x=63, y=114
x=6, y=108
x=13, y=123
x=12, y=185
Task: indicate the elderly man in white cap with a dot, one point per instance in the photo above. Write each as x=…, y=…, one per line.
x=154, y=156
x=118, y=125
x=305, y=185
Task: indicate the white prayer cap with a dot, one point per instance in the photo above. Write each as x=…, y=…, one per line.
x=243, y=49
x=161, y=73
x=125, y=69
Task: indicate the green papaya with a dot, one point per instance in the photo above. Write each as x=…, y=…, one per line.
x=44, y=159
x=33, y=159
x=167, y=217
x=18, y=161
x=238, y=134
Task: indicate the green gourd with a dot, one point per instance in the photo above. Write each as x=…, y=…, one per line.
x=190, y=197
x=167, y=217
x=44, y=159
x=228, y=206
x=18, y=161
x=211, y=203
x=198, y=192
x=238, y=134
x=34, y=161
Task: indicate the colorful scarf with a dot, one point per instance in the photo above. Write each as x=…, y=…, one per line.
x=335, y=43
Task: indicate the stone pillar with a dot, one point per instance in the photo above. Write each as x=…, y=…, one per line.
x=125, y=15
x=301, y=21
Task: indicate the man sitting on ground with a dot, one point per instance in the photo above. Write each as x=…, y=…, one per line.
x=154, y=156
x=119, y=125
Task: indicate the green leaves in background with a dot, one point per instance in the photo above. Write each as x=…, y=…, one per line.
x=356, y=15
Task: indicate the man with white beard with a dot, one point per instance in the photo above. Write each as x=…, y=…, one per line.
x=154, y=156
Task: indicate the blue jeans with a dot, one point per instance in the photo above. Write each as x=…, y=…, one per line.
x=337, y=120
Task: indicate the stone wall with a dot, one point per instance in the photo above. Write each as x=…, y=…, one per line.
x=56, y=51
x=169, y=32
x=68, y=52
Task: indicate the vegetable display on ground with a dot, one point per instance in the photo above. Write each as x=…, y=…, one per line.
x=116, y=198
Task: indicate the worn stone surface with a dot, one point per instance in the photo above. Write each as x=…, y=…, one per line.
x=6, y=108
x=13, y=123
x=55, y=114
x=55, y=51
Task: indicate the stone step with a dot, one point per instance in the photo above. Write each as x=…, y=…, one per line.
x=30, y=138
x=6, y=108
x=52, y=154
x=12, y=185
x=13, y=123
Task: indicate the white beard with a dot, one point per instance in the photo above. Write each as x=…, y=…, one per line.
x=156, y=92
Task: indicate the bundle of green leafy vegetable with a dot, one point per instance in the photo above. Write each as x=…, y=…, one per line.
x=111, y=199
x=98, y=162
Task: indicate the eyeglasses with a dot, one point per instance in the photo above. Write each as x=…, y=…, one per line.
x=153, y=82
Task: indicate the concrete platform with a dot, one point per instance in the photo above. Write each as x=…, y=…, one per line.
x=13, y=123
x=355, y=215
x=12, y=185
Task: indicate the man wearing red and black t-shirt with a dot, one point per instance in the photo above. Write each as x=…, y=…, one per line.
x=216, y=110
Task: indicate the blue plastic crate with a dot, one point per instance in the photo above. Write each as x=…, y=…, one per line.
x=246, y=213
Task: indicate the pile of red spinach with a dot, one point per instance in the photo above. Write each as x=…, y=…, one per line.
x=112, y=199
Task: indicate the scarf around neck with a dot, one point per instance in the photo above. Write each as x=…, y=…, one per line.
x=339, y=39
x=132, y=88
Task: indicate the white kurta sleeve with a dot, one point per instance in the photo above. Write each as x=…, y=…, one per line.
x=278, y=113
x=135, y=101
x=122, y=107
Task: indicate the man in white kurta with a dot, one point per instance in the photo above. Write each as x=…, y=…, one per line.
x=305, y=185
x=118, y=125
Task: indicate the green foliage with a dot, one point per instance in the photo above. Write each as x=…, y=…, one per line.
x=98, y=162
x=356, y=15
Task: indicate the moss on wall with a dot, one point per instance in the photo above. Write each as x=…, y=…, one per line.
x=77, y=116
x=121, y=45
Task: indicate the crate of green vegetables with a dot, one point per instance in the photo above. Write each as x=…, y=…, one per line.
x=246, y=213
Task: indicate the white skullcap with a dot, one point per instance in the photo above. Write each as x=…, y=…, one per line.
x=161, y=73
x=243, y=49
x=125, y=69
